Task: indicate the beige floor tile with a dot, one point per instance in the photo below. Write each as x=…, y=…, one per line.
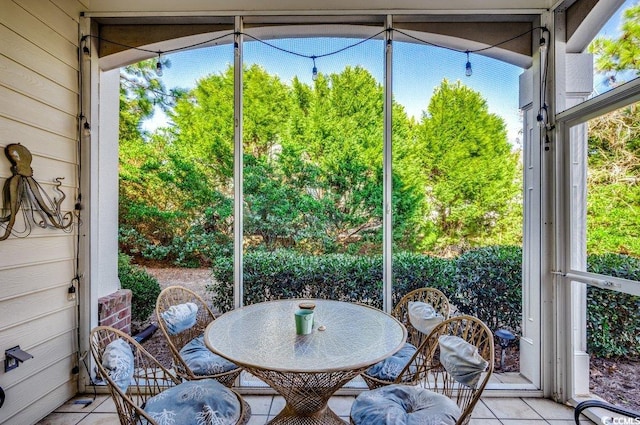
x=512, y=408
x=107, y=406
x=484, y=421
x=549, y=409
x=489, y=411
x=510, y=378
x=59, y=418
x=71, y=406
x=100, y=419
x=341, y=405
x=260, y=405
x=258, y=420
x=277, y=405
x=481, y=411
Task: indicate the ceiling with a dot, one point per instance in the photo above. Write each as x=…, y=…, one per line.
x=308, y=6
x=161, y=25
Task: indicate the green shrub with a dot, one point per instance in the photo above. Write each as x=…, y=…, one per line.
x=195, y=248
x=144, y=288
x=489, y=281
x=613, y=322
x=485, y=282
x=412, y=271
x=285, y=274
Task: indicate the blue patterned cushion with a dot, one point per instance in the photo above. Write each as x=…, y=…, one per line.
x=461, y=360
x=117, y=359
x=202, y=361
x=390, y=368
x=180, y=317
x=403, y=405
x=204, y=401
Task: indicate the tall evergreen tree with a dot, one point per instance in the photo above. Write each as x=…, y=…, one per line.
x=468, y=169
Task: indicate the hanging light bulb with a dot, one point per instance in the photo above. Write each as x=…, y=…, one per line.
x=314, y=71
x=159, y=66
x=468, y=71
x=86, y=129
x=86, y=52
x=542, y=116
x=543, y=45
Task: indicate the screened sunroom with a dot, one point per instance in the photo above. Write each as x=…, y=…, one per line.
x=335, y=112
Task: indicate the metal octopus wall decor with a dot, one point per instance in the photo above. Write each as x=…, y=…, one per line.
x=22, y=191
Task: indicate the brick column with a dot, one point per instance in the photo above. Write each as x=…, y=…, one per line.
x=115, y=310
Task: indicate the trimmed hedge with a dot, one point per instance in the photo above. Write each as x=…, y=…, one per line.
x=489, y=282
x=286, y=274
x=484, y=282
x=613, y=318
x=412, y=271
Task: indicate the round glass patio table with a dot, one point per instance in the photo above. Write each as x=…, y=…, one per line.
x=305, y=369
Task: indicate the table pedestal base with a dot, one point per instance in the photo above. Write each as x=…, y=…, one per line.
x=325, y=416
x=307, y=394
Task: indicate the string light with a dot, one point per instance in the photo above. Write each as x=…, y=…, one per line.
x=314, y=71
x=543, y=112
x=86, y=52
x=542, y=116
x=86, y=129
x=159, y=66
x=314, y=75
x=543, y=45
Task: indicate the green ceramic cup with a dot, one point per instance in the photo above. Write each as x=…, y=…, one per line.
x=304, y=321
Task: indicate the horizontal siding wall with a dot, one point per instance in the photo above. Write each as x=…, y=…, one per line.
x=39, y=109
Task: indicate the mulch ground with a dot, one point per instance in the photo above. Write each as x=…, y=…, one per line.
x=615, y=380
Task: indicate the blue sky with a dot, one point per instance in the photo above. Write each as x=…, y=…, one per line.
x=417, y=69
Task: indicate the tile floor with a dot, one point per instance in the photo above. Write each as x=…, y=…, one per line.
x=490, y=411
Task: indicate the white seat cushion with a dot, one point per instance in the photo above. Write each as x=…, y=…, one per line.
x=461, y=360
x=423, y=316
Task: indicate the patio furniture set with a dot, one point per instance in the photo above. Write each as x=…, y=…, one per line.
x=417, y=361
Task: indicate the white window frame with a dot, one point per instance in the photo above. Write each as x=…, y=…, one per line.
x=101, y=193
x=572, y=381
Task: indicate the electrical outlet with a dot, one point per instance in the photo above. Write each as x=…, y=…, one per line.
x=10, y=363
x=13, y=357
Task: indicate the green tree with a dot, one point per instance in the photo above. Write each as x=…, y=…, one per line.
x=338, y=128
x=613, y=208
x=161, y=191
x=613, y=183
x=621, y=53
x=468, y=169
x=203, y=128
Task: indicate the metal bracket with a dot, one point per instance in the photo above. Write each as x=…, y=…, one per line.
x=13, y=357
